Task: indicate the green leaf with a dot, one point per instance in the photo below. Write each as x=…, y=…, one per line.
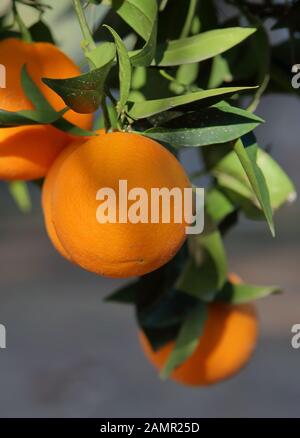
x=39, y=31
x=101, y=54
x=161, y=336
x=200, y=47
x=230, y=175
x=34, y=94
x=187, y=340
x=220, y=72
x=20, y=194
x=142, y=17
x=145, y=56
x=113, y=118
x=83, y=93
x=280, y=186
x=187, y=74
x=25, y=117
x=244, y=293
x=124, y=70
x=218, y=206
x=167, y=310
x=248, y=159
x=214, y=125
x=124, y=295
x=140, y=110
x=43, y=112
x=139, y=15
x=204, y=273
x=66, y=126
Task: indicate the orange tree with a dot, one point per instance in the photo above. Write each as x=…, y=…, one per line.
x=179, y=73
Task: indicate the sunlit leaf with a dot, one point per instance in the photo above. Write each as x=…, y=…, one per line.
x=244, y=293
x=200, y=47
x=20, y=193
x=248, y=159
x=231, y=175
x=124, y=70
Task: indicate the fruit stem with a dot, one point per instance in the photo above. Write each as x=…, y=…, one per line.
x=26, y=36
x=88, y=39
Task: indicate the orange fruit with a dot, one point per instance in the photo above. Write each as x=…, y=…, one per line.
x=47, y=194
x=26, y=152
x=228, y=340
x=48, y=189
x=115, y=249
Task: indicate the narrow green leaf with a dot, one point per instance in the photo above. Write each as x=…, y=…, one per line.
x=66, y=126
x=124, y=70
x=139, y=110
x=139, y=15
x=214, y=125
x=188, y=339
x=20, y=194
x=142, y=17
x=144, y=56
x=9, y=118
x=43, y=112
x=200, y=47
x=34, y=94
x=113, y=118
x=247, y=157
x=244, y=293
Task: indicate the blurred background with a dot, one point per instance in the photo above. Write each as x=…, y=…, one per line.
x=69, y=354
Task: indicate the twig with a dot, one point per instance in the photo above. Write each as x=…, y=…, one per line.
x=89, y=42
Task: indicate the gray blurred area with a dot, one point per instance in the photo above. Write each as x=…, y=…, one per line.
x=71, y=355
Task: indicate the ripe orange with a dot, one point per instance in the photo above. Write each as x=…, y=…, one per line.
x=228, y=340
x=47, y=194
x=115, y=249
x=48, y=189
x=27, y=152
